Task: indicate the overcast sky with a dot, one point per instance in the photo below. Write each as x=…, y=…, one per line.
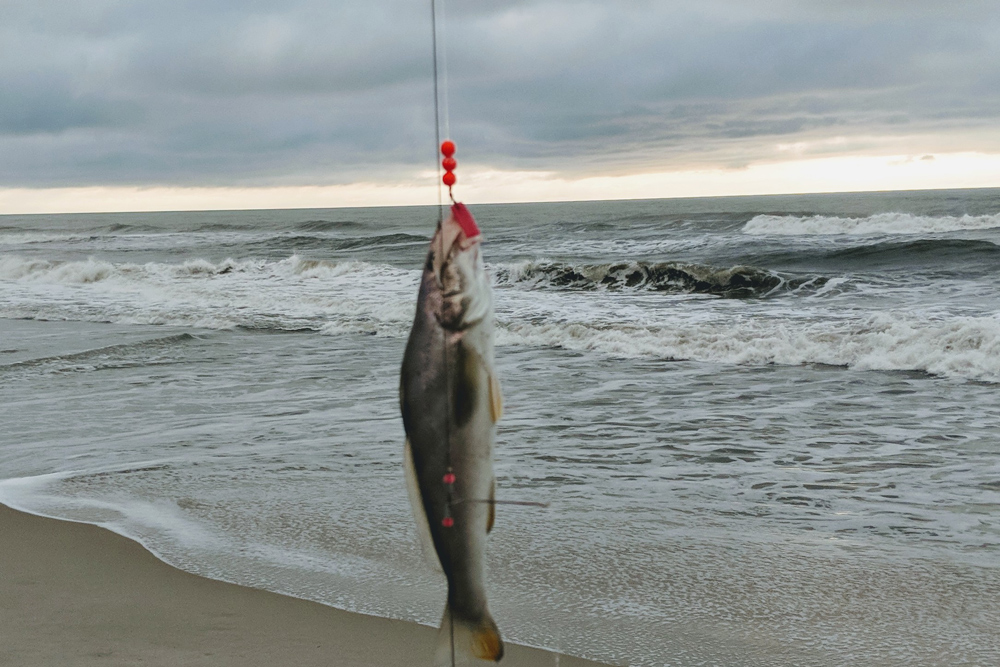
x=241, y=93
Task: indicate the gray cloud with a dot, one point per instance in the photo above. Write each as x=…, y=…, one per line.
x=220, y=92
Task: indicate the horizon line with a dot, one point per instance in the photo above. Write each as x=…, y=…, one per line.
x=482, y=203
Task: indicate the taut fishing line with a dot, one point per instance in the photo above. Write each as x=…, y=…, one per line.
x=440, y=59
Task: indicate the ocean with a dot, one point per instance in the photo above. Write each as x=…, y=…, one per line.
x=767, y=428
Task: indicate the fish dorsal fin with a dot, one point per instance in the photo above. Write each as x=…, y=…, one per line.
x=419, y=514
x=496, y=399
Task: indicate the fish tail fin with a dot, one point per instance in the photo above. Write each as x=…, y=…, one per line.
x=463, y=641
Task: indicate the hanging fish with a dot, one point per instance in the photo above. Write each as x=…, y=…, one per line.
x=450, y=400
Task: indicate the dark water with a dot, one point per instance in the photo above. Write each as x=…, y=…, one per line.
x=767, y=426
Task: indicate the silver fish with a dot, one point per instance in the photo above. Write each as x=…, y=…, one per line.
x=450, y=400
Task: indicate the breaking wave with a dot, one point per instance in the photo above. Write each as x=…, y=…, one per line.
x=966, y=347
x=93, y=270
x=589, y=309
x=734, y=282
x=881, y=223
x=289, y=294
x=22, y=268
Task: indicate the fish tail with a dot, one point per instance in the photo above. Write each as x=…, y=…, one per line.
x=463, y=641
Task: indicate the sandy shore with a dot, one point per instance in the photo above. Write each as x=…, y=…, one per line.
x=75, y=594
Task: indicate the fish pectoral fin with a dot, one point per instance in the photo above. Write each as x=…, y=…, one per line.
x=496, y=399
x=419, y=514
x=491, y=517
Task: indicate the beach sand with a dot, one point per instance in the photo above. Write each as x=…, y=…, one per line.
x=80, y=595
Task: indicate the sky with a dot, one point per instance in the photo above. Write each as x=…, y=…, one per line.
x=155, y=105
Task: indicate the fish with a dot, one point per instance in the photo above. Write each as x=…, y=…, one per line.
x=450, y=401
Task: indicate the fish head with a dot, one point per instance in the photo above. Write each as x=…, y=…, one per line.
x=459, y=272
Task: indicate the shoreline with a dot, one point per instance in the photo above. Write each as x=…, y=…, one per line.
x=79, y=594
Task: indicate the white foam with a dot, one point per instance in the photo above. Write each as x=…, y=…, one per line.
x=292, y=293
x=16, y=492
x=619, y=247
x=14, y=267
x=134, y=518
x=882, y=223
x=360, y=297
x=965, y=347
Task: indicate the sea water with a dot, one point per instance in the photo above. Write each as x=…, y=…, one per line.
x=767, y=428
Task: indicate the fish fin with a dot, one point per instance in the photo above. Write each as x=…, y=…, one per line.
x=493, y=507
x=496, y=399
x=419, y=514
x=474, y=641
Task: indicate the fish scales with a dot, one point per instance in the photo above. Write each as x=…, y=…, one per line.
x=450, y=402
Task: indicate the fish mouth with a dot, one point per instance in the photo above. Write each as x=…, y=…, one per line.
x=457, y=233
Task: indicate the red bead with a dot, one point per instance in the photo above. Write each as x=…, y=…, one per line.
x=448, y=179
x=449, y=478
x=447, y=148
x=447, y=522
x=449, y=164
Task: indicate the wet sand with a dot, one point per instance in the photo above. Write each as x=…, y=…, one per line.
x=76, y=594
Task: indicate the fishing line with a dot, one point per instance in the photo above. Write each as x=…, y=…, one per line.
x=444, y=69
x=437, y=113
x=440, y=86
x=447, y=521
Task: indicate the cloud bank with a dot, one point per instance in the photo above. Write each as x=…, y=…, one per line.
x=222, y=93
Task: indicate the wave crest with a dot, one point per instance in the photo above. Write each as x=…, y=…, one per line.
x=873, y=225
x=87, y=271
x=734, y=282
x=359, y=297
x=967, y=347
x=326, y=225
